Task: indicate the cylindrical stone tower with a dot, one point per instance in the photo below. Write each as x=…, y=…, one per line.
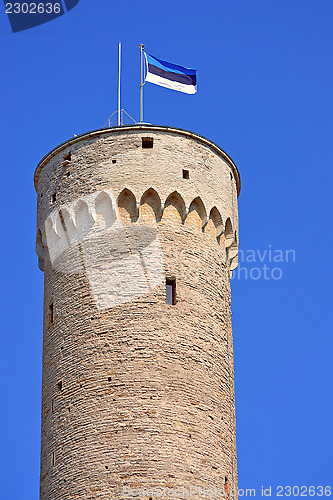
x=137, y=236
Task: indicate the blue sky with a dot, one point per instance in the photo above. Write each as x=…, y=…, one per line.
x=265, y=96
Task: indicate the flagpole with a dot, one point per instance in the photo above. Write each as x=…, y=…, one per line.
x=119, y=74
x=141, y=82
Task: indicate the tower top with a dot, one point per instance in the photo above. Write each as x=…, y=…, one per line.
x=146, y=128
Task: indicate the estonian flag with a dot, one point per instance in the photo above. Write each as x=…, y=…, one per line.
x=171, y=75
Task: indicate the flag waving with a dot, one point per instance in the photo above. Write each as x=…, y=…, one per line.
x=171, y=75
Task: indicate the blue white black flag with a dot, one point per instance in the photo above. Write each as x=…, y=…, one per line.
x=171, y=75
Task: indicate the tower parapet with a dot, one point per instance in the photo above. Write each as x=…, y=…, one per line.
x=137, y=387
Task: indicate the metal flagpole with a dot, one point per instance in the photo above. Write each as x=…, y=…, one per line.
x=141, y=82
x=119, y=73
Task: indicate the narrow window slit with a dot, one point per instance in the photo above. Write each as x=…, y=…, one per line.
x=226, y=486
x=51, y=314
x=53, y=459
x=171, y=291
x=114, y=161
x=59, y=385
x=147, y=142
x=67, y=158
x=54, y=197
x=186, y=174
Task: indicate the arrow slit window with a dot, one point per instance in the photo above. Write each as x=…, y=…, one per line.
x=171, y=291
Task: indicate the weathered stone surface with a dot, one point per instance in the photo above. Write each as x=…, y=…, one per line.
x=139, y=394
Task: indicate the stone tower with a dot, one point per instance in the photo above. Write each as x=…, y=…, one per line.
x=137, y=236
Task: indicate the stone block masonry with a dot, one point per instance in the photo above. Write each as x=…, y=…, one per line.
x=137, y=394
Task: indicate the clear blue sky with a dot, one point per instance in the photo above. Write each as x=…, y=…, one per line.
x=265, y=96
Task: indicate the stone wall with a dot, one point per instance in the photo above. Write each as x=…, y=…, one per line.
x=137, y=393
